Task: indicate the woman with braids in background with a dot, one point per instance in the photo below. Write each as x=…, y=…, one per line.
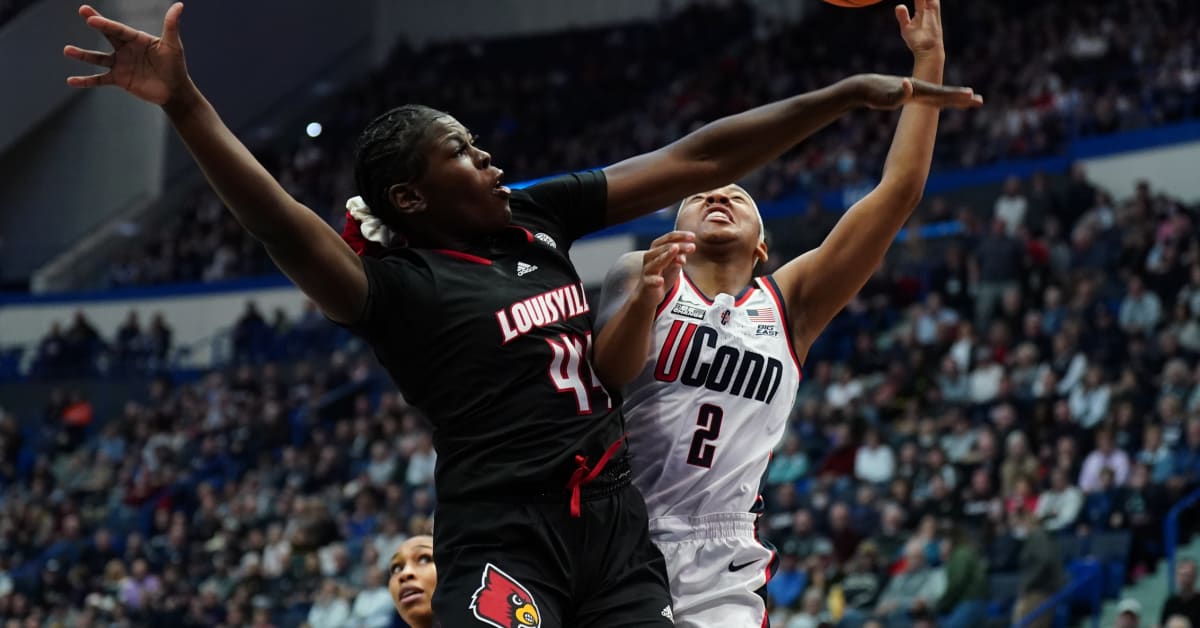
x=481, y=320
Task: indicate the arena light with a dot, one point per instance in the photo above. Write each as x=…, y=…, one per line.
x=313, y=129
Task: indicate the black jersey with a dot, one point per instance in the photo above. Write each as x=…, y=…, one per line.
x=493, y=345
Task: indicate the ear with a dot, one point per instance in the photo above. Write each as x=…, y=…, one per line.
x=406, y=199
x=760, y=252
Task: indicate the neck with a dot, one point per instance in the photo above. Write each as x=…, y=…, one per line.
x=722, y=272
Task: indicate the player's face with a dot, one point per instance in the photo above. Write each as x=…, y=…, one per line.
x=722, y=216
x=460, y=190
x=412, y=579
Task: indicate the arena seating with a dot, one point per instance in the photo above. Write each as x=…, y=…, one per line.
x=588, y=98
x=976, y=377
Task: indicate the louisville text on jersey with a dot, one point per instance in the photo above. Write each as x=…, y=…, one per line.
x=542, y=310
x=738, y=372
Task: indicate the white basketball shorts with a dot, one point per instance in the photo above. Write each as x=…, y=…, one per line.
x=716, y=568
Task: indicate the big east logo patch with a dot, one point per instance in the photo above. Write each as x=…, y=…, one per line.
x=502, y=602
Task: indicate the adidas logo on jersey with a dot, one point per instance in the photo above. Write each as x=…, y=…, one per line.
x=524, y=269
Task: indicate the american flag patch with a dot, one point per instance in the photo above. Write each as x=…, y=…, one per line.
x=762, y=315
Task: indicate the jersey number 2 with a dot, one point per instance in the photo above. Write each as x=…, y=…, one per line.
x=571, y=371
x=709, y=422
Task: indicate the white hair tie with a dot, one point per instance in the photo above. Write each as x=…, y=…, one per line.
x=369, y=224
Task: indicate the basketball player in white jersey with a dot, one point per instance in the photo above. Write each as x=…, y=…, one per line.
x=709, y=356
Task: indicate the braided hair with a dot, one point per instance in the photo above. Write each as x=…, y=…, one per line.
x=390, y=150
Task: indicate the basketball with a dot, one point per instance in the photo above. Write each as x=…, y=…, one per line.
x=852, y=4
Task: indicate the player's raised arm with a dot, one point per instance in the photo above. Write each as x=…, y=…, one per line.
x=153, y=69
x=818, y=284
x=727, y=149
x=632, y=291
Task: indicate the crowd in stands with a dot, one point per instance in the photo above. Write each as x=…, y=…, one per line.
x=553, y=103
x=986, y=402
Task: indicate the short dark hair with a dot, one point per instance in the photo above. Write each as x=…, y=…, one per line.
x=390, y=151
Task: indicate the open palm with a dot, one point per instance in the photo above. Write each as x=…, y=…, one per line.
x=923, y=31
x=151, y=68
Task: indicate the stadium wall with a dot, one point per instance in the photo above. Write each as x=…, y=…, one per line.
x=89, y=161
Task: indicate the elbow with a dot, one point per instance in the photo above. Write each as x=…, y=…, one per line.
x=906, y=190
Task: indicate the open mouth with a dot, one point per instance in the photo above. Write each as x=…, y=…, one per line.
x=498, y=189
x=719, y=214
x=410, y=595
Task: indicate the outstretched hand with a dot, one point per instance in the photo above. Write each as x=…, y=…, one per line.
x=662, y=262
x=922, y=32
x=151, y=68
x=879, y=91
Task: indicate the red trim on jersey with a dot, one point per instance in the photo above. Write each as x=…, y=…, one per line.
x=475, y=259
x=772, y=289
x=667, y=299
x=584, y=475
x=745, y=296
x=528, y=233
x=703, y=297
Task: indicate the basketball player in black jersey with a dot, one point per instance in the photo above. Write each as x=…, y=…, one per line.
x=480, y=318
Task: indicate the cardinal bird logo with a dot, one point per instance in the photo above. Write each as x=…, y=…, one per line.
x=502, y=602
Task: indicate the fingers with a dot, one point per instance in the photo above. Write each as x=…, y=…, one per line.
x=93, y=57
x=946, y=96
x=902, y=16
x=95, y=80
x=656, y=260
x=673, y=236
x=86, y=11
x=170, y=32
x=114, y=31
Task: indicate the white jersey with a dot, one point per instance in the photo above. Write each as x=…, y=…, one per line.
x=713, y=400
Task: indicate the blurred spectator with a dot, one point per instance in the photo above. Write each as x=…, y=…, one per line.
x=1186, y=599
x=1129, y=613
x=1089, y=401
x=874, y=461
x=329, y=609
x=1011, y=206
x=997, y=268
x=1104, y=457
x=963, y=604
x=788, y=465
x=914, y=591
x=1041, y=569
x=1141, y=310
x=373, y=605
x=1059, y=507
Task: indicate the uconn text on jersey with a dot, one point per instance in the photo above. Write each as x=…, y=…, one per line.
x=741, y=373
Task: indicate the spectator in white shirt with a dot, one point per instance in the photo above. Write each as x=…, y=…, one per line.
x=845, y=390
x=330, y=609
x=421, y=463
x=984, y=380
x=373, y=605
x=1011, y=206
x=1058, y=508
x=1141, y=309
x=1089, y=402
x=874, y=461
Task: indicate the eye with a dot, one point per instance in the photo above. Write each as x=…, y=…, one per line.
x=515, y=599
x=397, y=568
x=425, y=559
